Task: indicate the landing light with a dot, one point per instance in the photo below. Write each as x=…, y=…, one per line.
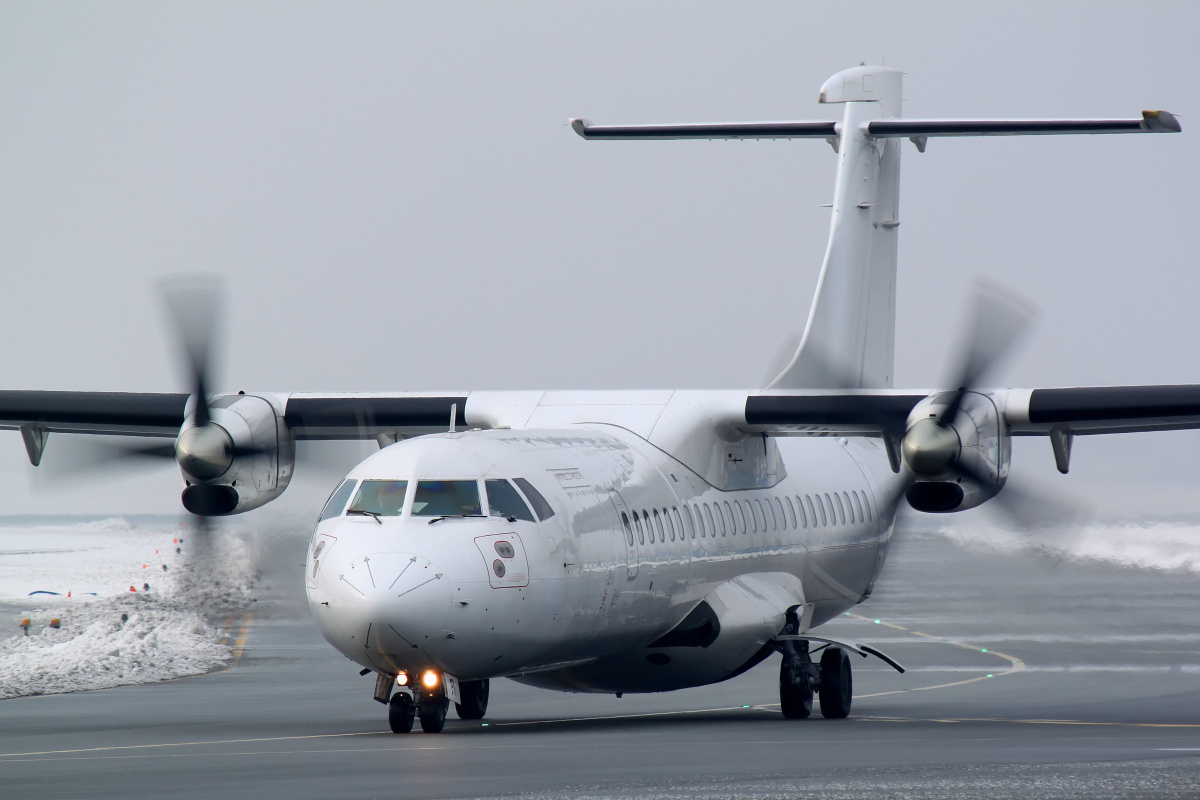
x=402, y=679
x=430, y=679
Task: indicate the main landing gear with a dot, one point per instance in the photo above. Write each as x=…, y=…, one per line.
x=799, y=677
x=474, y=699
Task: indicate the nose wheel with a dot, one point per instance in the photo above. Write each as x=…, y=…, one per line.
x=401, y=713
x=433, y=713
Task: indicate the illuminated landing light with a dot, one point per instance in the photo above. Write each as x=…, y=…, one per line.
x=429, y=679
x=402, y=679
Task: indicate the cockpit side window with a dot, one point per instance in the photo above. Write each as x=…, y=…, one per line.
x=504, y=501
x=385, y=498
x=337, y=501
x=543, y=509
x=446, y=499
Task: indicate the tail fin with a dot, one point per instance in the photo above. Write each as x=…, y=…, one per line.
x=850, y=336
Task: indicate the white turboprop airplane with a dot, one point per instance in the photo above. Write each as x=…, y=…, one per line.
x=636, y=541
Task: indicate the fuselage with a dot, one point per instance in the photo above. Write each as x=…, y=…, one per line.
x=591, y=560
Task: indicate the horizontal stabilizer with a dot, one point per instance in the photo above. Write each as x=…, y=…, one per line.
x=1151, y=122
x=720, y=130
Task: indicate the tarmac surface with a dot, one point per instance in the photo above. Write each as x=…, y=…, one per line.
x=1029, y=675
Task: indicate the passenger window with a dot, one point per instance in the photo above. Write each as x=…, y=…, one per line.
x=841, y=512
x=791, y=507
x=385, y=498
x=540, y=506
x=637, y=521
x=337, y=501
x=780, y=517
x=505, y=501
x=679, y=523
x=662, y=535
x=628, y=528
x=447, y=499
x=756, y=515
x=708, y=519
x=849, y=508
x=726, y=516
x=669, y=524
x=803, y=515
x=739, y=516
x=820, y=505
x=866, y=502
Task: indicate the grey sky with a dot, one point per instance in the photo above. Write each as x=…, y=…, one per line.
x=395, y=203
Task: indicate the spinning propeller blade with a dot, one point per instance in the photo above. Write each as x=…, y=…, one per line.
x=998, y=321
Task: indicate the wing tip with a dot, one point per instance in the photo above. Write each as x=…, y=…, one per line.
x=579, y=125
x=1160, y=122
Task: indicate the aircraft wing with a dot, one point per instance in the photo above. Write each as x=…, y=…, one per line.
x=124, y=413
x=365, y=416
x=308, y=416
x=1028, y=412
x=860, y=412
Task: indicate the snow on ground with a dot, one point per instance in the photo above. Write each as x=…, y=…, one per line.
x=1166, y=545
x=166, y=631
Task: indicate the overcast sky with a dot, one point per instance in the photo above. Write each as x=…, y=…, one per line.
x=393, y=199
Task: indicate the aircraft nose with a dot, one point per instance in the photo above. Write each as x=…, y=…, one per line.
x=404, y=600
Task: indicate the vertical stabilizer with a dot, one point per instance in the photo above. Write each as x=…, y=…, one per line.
x=850, y=336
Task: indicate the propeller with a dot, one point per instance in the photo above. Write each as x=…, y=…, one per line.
x=203, y=451
x=930, y=448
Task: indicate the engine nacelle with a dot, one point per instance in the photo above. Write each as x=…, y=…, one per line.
x=939, y=452
x=242, y=460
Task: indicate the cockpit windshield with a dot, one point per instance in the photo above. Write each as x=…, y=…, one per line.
x=504, y=501
x=382, y=498
x=446, y=499
x=337, y=501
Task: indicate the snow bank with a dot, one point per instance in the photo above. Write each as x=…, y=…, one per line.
x=96, y=650
x=1166, y=545
x=166, y=632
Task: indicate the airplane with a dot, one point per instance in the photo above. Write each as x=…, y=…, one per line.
x=635, y=541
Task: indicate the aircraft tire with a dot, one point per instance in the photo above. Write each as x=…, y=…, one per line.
x=401, y=713
x=795, y=699
x=474, y=699
x=837, y=684
x=433, y=714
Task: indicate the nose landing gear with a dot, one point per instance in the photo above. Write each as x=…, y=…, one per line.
x=428, y=699
x=433, y=712
x=401, y=713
